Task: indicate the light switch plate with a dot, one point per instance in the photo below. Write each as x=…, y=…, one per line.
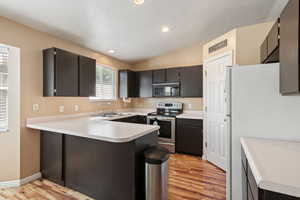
x=190, y=106
x=35, y=107
x=61, y=108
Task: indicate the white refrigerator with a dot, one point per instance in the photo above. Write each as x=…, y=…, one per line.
x=256, y=109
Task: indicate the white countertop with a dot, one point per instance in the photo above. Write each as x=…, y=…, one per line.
x=84, y=125
x=191, y=115
x=275, y=164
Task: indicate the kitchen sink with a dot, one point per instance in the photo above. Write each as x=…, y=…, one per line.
x=110, y=114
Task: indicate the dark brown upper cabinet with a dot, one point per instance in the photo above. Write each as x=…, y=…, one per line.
x=127, y=84
x=144, y=79
x=169, y=75
x=67, y=74
x=269, y=50
x=289, y=49
x=264, y=51
x=159, y=76
x=60, y=73
x=173, y=75
x=273, y=38
x=87, y=77
x=191, y=81
x=140, y=84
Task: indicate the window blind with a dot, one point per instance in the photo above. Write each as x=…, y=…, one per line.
x=105, y=83
x=3, y=88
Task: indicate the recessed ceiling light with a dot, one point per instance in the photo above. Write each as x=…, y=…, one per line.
x=138, y=2
x=165, y=29
x=111, y=51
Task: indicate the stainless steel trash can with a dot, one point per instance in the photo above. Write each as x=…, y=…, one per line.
x=157, y=166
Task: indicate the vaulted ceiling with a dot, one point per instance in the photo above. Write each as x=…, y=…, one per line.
x=134, y=31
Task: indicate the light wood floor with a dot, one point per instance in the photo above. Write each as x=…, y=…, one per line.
x=190, y=178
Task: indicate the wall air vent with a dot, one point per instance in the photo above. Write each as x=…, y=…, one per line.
x=218, y=46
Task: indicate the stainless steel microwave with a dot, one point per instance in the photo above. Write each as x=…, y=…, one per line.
x=166, y=90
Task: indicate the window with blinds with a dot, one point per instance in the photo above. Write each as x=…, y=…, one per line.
x=3, y=88
x=105, y=83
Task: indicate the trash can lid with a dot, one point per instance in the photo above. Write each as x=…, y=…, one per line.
x=156, y=155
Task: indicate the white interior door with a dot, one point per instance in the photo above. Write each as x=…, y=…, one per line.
x=215, y=119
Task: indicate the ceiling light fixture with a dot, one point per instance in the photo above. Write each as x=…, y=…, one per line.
x=138, y=2
x=111, y=51
x=165, y=29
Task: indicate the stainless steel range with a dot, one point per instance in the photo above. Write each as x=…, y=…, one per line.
x=165, y=117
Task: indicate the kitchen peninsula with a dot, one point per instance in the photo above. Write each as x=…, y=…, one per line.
x=100, y=158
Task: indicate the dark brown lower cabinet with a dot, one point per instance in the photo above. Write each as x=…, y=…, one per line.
x=250, y=189
x=52, y=157
x=99, y=169
x=189, y=136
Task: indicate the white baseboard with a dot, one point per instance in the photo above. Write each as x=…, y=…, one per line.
x=9, y=184
x=17, y=183
x=30, y=178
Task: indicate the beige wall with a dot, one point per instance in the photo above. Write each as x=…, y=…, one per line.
x=183, y=57
x=31, y=43
x=248, y=42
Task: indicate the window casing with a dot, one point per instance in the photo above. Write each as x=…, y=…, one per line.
x=4, y=51
x=105, y=83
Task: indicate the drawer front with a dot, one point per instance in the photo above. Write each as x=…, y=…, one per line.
x=252, y=184
x=190, y=122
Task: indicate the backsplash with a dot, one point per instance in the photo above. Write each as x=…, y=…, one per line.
x=188, y=103
x=50, y=105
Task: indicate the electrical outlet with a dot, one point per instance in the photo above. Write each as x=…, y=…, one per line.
x=190, y=106
x=76, y=108
x=35, y=107
x=61, y=108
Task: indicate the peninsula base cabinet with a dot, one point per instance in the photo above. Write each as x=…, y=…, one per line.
x=99, y=169
x=52, y=157
x=250, y=189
